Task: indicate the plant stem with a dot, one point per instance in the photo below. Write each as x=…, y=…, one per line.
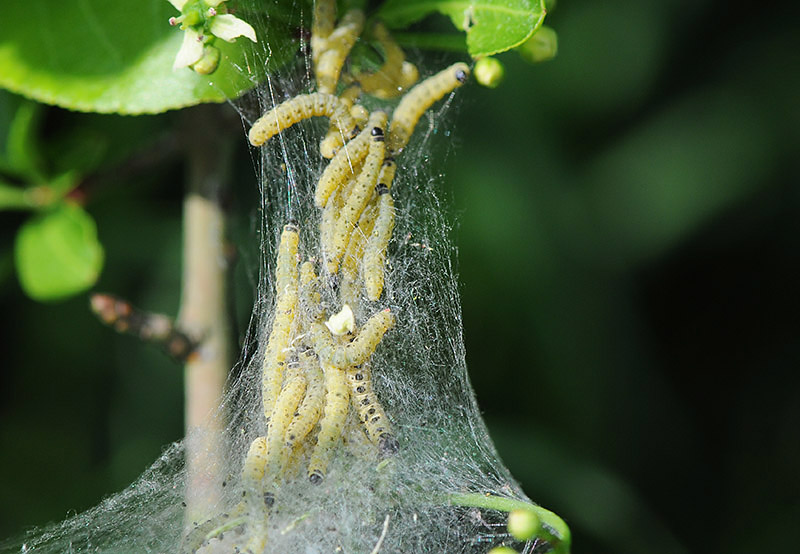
x=555, y=529
x=203, y=311
x=447, y=42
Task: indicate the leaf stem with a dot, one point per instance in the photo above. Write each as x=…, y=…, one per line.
x=448, y=42
x=555, y=529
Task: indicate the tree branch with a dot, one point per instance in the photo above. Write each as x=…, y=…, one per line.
x=203, y=310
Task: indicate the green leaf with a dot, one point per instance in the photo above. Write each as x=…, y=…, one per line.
x=19, y=119
x=57, y=253
x=116, y=57
x=492, y=26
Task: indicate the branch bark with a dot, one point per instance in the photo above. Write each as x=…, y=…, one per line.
x=203, y=311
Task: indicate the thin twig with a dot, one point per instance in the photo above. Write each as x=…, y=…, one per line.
x=383, y=536
x=149, y=327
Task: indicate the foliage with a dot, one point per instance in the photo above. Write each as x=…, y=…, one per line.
x=492, y=26
x=116, y=57
x=647, y=189
x=57, y=253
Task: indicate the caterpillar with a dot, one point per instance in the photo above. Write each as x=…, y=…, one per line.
x=200, y=535
x=362, y=191
x=419, y=99
x=334, y=138
x=330, y=213
x=299, y=108
x=253, y=474
x=336, y=47
x=322, y=23
x=386, y=176
x=311, y=308
x=285, y=406
x=360, y=114
x=310, y=408
x=360, y=349
x=341, y=167
x=258, y=503
x=337, y=398
x=375, y=249
x=370, y=411
x=395, y=75
x=355, y=246
x=285, y=307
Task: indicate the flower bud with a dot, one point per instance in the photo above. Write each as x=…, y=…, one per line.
x=523, y=524
x=489, y=72
x=209, y=62
x=542, y=46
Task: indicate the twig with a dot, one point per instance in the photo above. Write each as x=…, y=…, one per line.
x=203, y=305
x=151, y=327
x=383, y=536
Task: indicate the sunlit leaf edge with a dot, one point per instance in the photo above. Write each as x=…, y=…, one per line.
x=148, y=86
x=399, y=14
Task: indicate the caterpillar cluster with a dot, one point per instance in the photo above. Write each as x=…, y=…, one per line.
x=317, y=368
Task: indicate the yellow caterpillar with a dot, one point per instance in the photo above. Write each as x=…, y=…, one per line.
x=342, y=167
x=285, y=406
x=285, y=307
x=395, y=75
x=335, y=49
x=375, y=250
x=370, y=411
x=334, y=139
x=388, y=169
x=322, y=24
x=355, y=247
x=362, y=191
x=299, y=108
x=310, y=301
x=257, y=504
x=330, y=426
x=311, y=407
x=330, y=213
x=358, y=351
x=419, y=99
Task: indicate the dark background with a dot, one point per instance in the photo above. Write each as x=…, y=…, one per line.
x=628, y=230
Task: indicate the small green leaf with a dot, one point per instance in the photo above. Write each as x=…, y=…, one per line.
x=492, y=26
x=117, y=57
x=57, y=253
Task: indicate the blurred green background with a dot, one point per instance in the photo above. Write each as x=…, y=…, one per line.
x=629, y=235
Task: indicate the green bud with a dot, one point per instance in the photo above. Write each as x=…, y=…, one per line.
x=542, y=46
x=489, y=72
x=209, y=62
x=193, y=15
x=523, y=524
x=502, y=550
